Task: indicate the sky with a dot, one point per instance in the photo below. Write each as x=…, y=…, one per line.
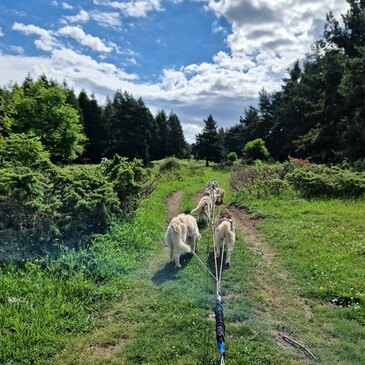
x=192, y=57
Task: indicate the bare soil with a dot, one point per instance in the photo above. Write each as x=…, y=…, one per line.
x=173, y=204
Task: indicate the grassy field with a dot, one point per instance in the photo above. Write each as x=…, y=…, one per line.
x=304, y=278
x=321, y=246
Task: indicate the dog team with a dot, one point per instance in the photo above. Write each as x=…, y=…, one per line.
x=182, y=234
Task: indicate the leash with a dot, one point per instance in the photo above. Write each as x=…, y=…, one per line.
x=205, y=266
x=220, y=328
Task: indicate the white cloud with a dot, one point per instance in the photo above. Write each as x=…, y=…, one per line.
x=258, y=54
x=81, y=17
x=1, y=32
x=106, y=19
x=17, y=49
x=46, y=41
x=87, y=40
x=67, y=6
x=190, y=131
x=54, y=3
x=133, y=8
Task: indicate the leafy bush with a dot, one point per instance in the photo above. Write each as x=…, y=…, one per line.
x=232, y=156
x=255, y=150
x=260, y=180
x=43, y=206
x=170, y=164
x=319, y=180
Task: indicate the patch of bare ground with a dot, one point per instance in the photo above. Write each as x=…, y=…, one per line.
x=173, y=204
x=108, y=348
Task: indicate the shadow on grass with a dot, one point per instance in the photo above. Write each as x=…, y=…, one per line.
x=169, y=271
x=211, y=263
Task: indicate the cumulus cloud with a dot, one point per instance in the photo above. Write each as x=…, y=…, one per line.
x=67, y=6
x=54, y=3
x=1, y=32
x=81, y=17
x=190, y=131
x=265, y=38
x=87, y=40
x=46, y=41
x=106, y=19
x=133, y=8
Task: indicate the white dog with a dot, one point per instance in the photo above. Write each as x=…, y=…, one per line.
x=204, y=209
x=193, y=234
x=175, y=237
x=225, y=230
x=219, y=193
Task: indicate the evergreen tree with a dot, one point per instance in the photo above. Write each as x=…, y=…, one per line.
x=91, y=116
x=132, y=127
x=160, y=135
x=176, y=141
x=207, y=144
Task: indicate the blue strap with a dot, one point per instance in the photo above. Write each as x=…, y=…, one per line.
x=221, y=347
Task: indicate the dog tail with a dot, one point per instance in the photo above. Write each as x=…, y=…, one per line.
x=199, y=208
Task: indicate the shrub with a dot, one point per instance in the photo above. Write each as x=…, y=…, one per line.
x=43, y=206
x=322, y=181
x=255, y=150
x=232, y=156
x=260, y=180
x=170, y=164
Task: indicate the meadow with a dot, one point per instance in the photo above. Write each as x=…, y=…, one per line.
x=117, y=301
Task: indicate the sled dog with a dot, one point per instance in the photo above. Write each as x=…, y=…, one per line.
x=193, y=234
x=224, y=230
x=204, y=209
x=175, y=238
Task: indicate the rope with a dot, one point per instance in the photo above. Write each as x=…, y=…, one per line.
x=221, y=268
x=205, y=266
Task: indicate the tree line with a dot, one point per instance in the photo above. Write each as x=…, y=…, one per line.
x=76, y=128
x=320, y=110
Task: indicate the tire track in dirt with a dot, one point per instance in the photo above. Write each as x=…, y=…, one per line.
x=173, y=204
x=247, y=224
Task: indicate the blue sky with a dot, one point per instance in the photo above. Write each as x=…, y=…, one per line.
x=195, y=57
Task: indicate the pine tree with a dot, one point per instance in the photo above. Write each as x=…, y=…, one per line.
x=207, y=144
x=176, y=140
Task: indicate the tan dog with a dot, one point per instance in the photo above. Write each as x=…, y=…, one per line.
x=175, y=237
x=225, y=230
x=204, y=209
x=193, y=234
x=219, y=193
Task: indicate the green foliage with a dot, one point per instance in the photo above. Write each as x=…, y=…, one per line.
x=319, y=180
x=43, y=110
x=169, y=164
x=23, y=149
x=127, y=178
x=232, y=156
x=260, y=180
x=208, y=144
x=43, y=207
x=255, y=150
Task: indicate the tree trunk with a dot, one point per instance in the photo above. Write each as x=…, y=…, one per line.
x=206, y=163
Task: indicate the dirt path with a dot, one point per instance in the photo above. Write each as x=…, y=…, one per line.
x=173, y=204
x=271, y=283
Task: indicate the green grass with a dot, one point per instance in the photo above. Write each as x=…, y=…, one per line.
x=165, y=314
x=322, y=244
x=119, y=302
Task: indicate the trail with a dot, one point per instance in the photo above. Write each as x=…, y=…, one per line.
x=173, y=204
x=270, y=282
x=156, y=289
